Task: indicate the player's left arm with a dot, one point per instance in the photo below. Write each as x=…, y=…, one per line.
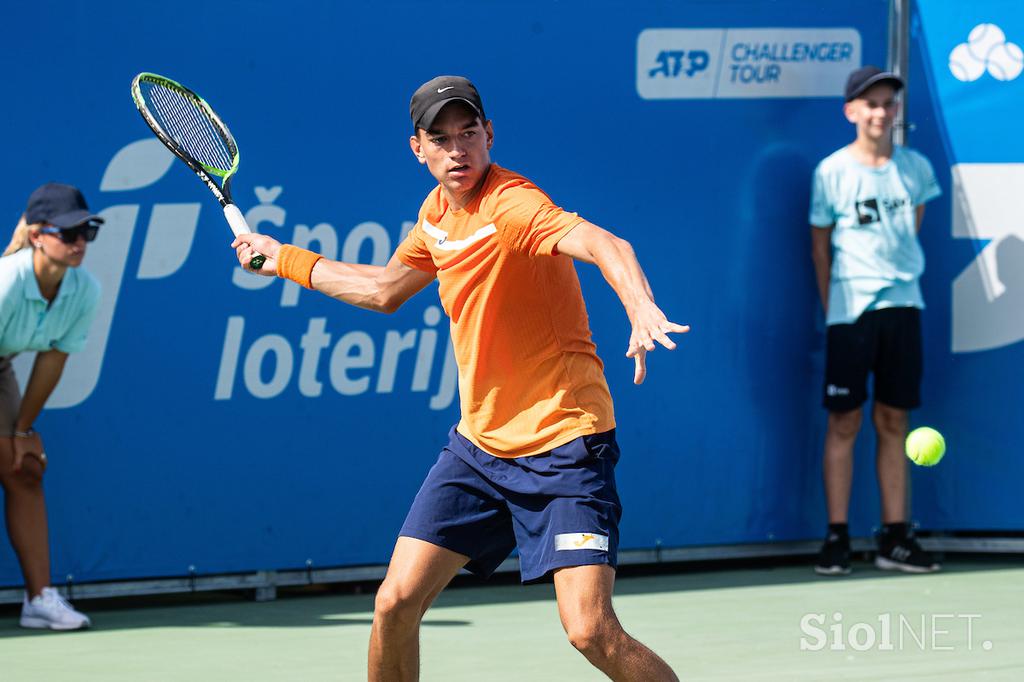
x=918, y=216
x=618, y=263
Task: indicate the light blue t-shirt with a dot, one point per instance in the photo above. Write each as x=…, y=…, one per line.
x=28, y=322
x=876, y=256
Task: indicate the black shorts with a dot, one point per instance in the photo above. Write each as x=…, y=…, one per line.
x=885, y=342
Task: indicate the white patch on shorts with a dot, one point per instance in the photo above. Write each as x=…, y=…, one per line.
x=564, y=541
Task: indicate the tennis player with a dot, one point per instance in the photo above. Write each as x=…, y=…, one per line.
x=531, y=462
x=867, y=205
x=47, y=304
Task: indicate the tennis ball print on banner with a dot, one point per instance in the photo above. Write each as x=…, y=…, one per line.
x=986, y=49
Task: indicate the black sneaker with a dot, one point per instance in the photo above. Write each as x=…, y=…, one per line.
x=904, y=554
x=834, y=557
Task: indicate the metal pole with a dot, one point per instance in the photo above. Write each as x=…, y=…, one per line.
x=898, y=61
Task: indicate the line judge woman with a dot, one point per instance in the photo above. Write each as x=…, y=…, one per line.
x=47, y=304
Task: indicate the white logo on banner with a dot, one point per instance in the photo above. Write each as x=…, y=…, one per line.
x=988, y=296
x=727, y=63
x=355, y=361
x=986, y=49
x=135, y=166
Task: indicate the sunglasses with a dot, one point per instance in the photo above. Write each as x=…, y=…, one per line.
x=70, y=235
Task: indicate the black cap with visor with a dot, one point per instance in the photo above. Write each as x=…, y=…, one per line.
x=866, y=76
x=430, y=98
x=60, y=205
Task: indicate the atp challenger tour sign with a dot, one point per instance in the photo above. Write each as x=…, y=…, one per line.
x=726, y=63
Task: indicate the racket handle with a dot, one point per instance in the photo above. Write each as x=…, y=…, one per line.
x=238, y=225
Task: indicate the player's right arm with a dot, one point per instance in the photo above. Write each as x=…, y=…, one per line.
x=374, y=287
x=821, y=254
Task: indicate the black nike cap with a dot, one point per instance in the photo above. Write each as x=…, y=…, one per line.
x=430, y=98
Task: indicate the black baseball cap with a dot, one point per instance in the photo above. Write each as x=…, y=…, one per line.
x=430, y=98
x=866, y=76
x=59, y=205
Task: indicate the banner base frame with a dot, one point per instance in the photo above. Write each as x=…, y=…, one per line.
x=264, y=584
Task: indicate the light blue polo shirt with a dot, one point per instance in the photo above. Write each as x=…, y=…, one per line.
x=876, y=256
x=28, y=322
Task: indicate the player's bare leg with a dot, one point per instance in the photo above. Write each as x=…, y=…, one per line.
x=25, y=512
x=837, y=465
x=585, y=607
x=891, y=461
x=417, y=573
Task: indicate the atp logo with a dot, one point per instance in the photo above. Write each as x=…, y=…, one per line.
x=988, y=296
x=670, y=63
x=169, y=233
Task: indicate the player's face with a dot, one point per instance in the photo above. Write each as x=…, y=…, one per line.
x=456, y=149
x=874, y=111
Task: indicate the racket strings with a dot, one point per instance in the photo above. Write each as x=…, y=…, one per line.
x=190, y=127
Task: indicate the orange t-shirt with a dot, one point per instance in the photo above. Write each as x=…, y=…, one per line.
x=529, y=376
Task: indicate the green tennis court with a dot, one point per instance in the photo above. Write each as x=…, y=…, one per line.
x=740, y=624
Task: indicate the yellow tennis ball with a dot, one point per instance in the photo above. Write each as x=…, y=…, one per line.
x=925, y=446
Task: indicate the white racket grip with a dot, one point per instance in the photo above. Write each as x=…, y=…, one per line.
x=240, y=227
x=236, y=220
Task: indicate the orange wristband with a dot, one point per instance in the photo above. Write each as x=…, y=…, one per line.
x=296, y=264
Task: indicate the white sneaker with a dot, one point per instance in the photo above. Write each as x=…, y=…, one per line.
x=51, y=611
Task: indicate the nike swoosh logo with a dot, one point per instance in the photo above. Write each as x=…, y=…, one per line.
x=445, y=244
x=440, y=90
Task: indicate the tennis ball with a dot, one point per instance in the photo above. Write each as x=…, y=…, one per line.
x=983, y=38
x=1005, y=61
x=963, y=65
x=925, y=446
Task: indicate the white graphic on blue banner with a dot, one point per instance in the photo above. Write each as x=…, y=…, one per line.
x=729, y=63
x=988, y=296
x=986, y=49
x=134, y=167
x=357, y=363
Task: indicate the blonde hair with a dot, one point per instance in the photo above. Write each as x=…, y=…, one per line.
x=20, y=238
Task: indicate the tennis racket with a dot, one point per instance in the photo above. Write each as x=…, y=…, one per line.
x=190, y=128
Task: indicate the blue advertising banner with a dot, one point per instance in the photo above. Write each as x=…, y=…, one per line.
x=234, y=423
x=965, y=95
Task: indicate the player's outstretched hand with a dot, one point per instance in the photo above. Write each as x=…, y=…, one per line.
x=248, y=245
x=650, y=325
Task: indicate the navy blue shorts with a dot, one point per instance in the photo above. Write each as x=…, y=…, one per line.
x=560, y=508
